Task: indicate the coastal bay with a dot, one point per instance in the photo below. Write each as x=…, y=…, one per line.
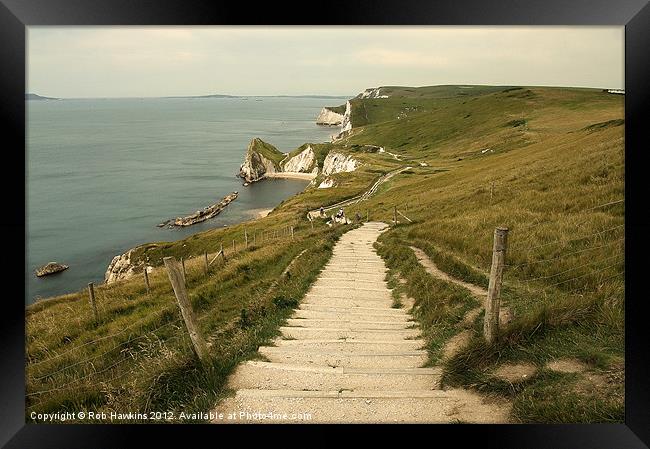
x=102, y=173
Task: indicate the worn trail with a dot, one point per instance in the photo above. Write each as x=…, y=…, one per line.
x=347, y=356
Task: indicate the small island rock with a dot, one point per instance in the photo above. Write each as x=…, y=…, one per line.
x=51, y=268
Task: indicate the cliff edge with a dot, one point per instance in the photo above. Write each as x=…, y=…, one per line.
x=261, y=158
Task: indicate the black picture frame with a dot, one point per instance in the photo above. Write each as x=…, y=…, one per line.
x=16, y=15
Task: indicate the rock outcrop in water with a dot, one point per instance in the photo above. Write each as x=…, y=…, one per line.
x=204, y=214
x=50, y=268
x=261, y=158
x=329, y=117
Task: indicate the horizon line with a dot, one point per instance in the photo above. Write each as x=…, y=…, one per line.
x=320, y=95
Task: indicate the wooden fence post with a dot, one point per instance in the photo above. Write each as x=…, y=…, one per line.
x=291, y=232
x=146, y=278
x=492, y=305
x=183, y=264
x=206, y=263
x=178, y=284
x=91, y=296
x=233, y=245
x=222, y=253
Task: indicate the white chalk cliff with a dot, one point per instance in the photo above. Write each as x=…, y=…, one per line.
x=339, y=163
x=326, y=184
x=120, y=268
x=329, y=117
x=255, y=165
x=373, y=92
x=303, y=162
x=346, y=123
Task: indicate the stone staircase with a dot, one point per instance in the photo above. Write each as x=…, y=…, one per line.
x=347, y=356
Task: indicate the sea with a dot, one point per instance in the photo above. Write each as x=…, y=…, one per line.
x=102, y=173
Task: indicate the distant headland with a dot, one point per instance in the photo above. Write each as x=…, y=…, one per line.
x=29, y=96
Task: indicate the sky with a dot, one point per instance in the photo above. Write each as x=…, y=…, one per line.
x=81, y=62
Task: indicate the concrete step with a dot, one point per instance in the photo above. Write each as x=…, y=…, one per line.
x=331, y=274
x=393, y=406
x=366, y=255
x=347, y=333
x=348, y=323
x=354, y=297
x=342, y=257
x=353, y=309
x=343, y=302
x=330, y=283
x=346, y=314
x=395, y=359
x=350, y=346
x=315, y=333
x=353, y=267
x=277, y=376
x=350, y=291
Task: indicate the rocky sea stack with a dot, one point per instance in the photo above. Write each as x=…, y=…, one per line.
x=261, y=159
x=50, y=268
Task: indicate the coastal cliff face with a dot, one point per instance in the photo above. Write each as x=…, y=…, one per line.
x=373, y=92
x=329, y=117
x=339, y=163
x=261, y=159
x=327, y=183
x=346, y=123
x=120, y=268
x=303, y=162
x=264, y=160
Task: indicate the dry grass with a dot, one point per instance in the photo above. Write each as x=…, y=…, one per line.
x=551, y=156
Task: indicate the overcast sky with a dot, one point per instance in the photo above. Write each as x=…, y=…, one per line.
x=160, y=61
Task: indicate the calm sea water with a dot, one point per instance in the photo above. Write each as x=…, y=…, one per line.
x=102, y=173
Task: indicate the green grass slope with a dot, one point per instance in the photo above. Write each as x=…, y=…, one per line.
x=267, y=150
x=548, y=163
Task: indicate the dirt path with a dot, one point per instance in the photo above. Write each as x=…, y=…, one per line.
x=347, y=356
x=479, y=292
x=505, y=314
x=460, y=340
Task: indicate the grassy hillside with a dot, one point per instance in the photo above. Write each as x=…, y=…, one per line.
x=138, y=356
x=548, y=163
x=556, y=171
x=267, y=150
x=338, y=109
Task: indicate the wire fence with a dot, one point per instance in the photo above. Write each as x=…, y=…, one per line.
x=78, y=367
x=265, y=236
x=256, y=237
x=605, y=246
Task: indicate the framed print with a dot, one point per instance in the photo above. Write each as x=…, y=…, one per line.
x=378, y=215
